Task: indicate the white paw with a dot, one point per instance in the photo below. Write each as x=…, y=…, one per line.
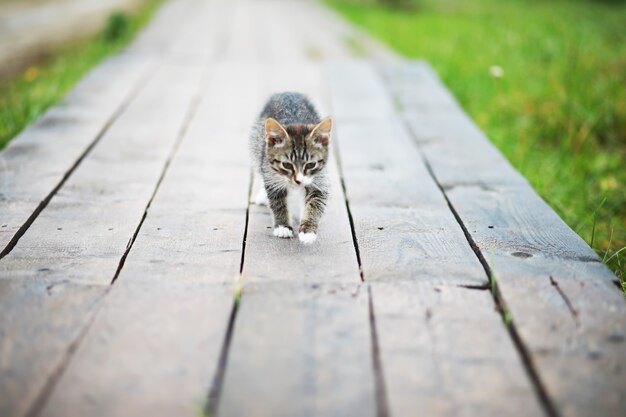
x=284, y=232
x=261, y=198
x=307, y=237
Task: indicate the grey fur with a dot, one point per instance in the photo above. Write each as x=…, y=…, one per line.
x=300, y=148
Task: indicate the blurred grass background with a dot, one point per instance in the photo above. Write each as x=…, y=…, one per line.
x=26, y=96
x=545, y=79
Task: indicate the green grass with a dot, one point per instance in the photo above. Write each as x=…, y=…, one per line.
x=25, y=97
x=558, y=112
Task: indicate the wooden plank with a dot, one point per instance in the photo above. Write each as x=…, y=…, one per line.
x=563, y=303
x=414, y=251
x=300, y=349
x=433, y=361
x=37, y=161
x=88, y=223
x=38, y=321
x=83, y=233
x=405, y=231
x=548, y=278
x=152, y=351
x=185, y=260
x=573, y=327
x=300, y=307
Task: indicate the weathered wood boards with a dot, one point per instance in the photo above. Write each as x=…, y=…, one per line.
x=445, y=352
x=38, y=322
x=39, y=159
x=414, y=252
x=154, y=347
x=300, y=348
x=37, y=162
x=88, y=223
x=301, y=341
x=83, y=233
x=422, y=337
x=564, y=306
x=404, y=227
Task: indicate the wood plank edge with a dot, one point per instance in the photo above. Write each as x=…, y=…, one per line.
x=101, y=133
x=42, y=397
x=524, y=352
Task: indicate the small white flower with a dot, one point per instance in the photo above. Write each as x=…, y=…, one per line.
x=496, y=71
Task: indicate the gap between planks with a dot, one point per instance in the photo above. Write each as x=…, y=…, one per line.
x=101, y=133
x=522, y=350
x=191, y=112
x=215, y=389
x=382, y=403
x=46, y=391
x=215, y=392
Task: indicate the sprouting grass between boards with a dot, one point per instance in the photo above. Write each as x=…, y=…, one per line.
x=545, y=80
x=26, y=96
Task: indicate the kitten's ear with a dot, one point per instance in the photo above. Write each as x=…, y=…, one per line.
x=321, y=132
x=275, y=133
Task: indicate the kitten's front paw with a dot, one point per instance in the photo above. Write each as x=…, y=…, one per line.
x=307, y=238
x=283, y=231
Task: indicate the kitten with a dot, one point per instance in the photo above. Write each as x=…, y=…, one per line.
x=289, y=149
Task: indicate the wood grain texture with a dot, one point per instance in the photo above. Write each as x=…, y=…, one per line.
x=455, y=146
x=83, y=233
x=414, y=251
x=402, y=222
x=185, y=260
x=85, y=228
x=38, y=321
x=300, y=348
x=152, y=350
x=562, y=300
x=301, y=343
x=573, y=327
x=36, y=161
x=433, y=361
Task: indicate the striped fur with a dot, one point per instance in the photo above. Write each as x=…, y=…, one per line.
x=289, y=150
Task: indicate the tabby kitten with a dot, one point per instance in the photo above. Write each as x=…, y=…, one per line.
x=289, y=149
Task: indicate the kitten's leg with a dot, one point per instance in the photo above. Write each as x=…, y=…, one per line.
x=314, y=205
x=261, y=197
x=278, y=203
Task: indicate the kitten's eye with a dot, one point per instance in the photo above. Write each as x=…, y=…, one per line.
x=287, y=165
x=310, y=166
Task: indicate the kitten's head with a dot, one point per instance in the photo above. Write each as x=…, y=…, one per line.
x=297, y=151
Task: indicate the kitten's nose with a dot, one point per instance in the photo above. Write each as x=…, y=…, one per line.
x=299, y=178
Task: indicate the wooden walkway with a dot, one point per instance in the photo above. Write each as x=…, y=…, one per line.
x=136, y=279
